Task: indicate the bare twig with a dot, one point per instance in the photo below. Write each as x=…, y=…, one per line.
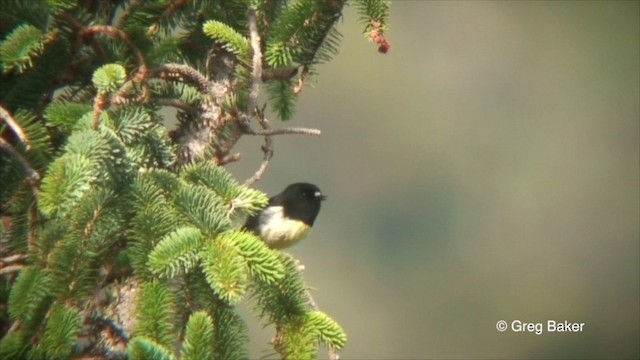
x=8, y=264
x=267, y=149
x=10, y=269
x=32, y=175
x=303, y=76
x=256, y=72
x=13, y=124
x=256, y=78
x=13, y=258
x=285, y=131
x=230, y=158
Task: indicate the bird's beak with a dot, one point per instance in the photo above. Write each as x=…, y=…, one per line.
x=319, y=195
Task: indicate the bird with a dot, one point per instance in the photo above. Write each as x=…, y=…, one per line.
x=288, y=216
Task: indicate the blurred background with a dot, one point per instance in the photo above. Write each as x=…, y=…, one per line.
x=485, y=169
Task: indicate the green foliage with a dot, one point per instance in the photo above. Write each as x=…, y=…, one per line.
x=297, y=340
x=68, y=178
x=230, y=334
x=202, y=207
x=372, y=11
x=141, y=348
x=19, y=48
x=32, y=283
x=13, y=346
x=109, y=77
x=263, y=263
x=60, y=332
x=156, y=312
x=198, y=338
x=225, y=270
x=282, y=98
x=176, y=253
x=244, y=200
x=64, y=114
x=285, y=300
x=300, y=32
x=228, y=37
x=101, y=204
x=329, y=332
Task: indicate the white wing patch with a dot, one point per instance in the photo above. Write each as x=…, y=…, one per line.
x=280, y=232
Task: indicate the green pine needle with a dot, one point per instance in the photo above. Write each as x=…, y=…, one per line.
x=228, y=37
x=176, y=253
x=30, y=288
x=20, y=47
x=68, y=178
x=60, y=331
x=133, y=123
x=239, y=197
x=156, y=313
x=108, y=78
x=225, y=270
x=297, y=340
x=329, y=332
x=198, y=338
x=282, y=98
x=286, y=299
x=230, y=334
x=371, y=11
x=264, y=264
x=14, y=345
x=65, y=114
x=142, y=348
x=203, y=207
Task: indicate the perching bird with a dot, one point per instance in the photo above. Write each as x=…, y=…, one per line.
x=288, y=217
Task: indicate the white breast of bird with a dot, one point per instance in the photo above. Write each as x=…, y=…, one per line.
x=279, y=231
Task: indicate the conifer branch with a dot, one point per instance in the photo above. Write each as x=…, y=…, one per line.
x=267, y=132
x=333, y=353
x=113, y=31
x=230, y=158
x=256, y=78
x=99, y=104
x=173, y=71
x=13, y=124
x=256, y=72
x=176, y=104
x=286, y=131
x=12, y=259
x=10, y=269
x=303, y=76
x=141, y=74
x=174, y=6
x=267, y=149
x=71, y=304
x=12, y=263
x=283, y=73
x=128, y=10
